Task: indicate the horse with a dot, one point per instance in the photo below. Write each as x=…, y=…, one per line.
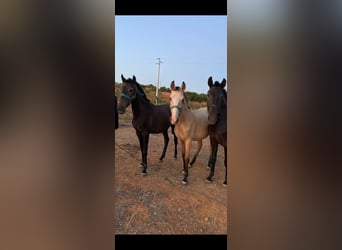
x=190, y=125
x=147, y=118
x=217, y=119
x=116, y=116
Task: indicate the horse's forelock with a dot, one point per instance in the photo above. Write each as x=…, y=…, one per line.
x=127, y=80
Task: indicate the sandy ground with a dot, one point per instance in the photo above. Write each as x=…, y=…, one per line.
x=158, y=203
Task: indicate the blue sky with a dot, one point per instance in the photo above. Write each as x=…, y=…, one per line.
x=191, y=49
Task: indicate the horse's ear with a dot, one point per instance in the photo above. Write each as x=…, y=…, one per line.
x=210, y=81
x=134, y=78
x=123, y=78
x=223, y=83
x=172, y=85
x=183, y=86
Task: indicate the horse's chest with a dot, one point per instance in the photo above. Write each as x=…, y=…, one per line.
x=137, y=124
x=181, y=132
x=219, y=135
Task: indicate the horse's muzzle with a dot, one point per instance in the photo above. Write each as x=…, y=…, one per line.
x=212, y=115
x=173, y=121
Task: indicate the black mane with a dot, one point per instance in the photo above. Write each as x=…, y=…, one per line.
x=142, y=92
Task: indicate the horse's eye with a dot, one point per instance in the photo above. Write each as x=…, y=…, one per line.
x=131, y=91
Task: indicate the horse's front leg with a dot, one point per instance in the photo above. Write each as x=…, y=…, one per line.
x=214, y=147
x=166, y=142
x=175, y=140
x=182, y=147
x=186, y=159
x=210, y=157
x=198, y=149
x=144, y=152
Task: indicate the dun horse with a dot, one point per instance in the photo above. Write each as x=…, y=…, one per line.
x=191, y=125
x=217, y=108
x=147, y=117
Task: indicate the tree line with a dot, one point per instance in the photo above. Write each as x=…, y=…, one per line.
x=193, y=96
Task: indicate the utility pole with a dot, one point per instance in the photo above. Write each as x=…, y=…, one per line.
x=157, y=85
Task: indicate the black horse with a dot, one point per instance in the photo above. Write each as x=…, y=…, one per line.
x=116, y=116
x=217, y=109
x=147, y=117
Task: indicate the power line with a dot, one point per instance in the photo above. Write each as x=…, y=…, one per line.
x=157, y=84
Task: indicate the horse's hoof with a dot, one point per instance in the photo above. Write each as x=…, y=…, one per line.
x=141, y=164
x=184, y=182
x=175, y=157
x=160, y=160
x=208, y=180
x=224, y=184
x=183, y=172
x=143, y=174
x=208, y=167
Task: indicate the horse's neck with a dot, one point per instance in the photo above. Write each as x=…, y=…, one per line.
x=186, y=113
x=138, y=105
x=223, y=112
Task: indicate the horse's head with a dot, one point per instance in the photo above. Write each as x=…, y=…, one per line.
x=217, y=99
x=128, y=93
x=177, y=100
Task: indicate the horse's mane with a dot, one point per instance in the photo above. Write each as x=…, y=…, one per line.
x=142, y=92
x=187, y=101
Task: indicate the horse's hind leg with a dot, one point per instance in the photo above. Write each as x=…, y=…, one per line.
x=210, y=158
x=198, y=149
x=175, y=140
x=166, y=142
x=140, y=137
x=214, y=147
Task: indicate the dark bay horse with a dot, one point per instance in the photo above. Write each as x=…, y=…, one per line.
x=217, y=109
x=191, y=125
x=147, y=117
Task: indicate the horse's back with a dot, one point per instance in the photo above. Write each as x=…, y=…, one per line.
x=156, y=121
x=162, y=113
x=201, y=116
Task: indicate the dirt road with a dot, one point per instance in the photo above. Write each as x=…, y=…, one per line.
x=158, y=203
